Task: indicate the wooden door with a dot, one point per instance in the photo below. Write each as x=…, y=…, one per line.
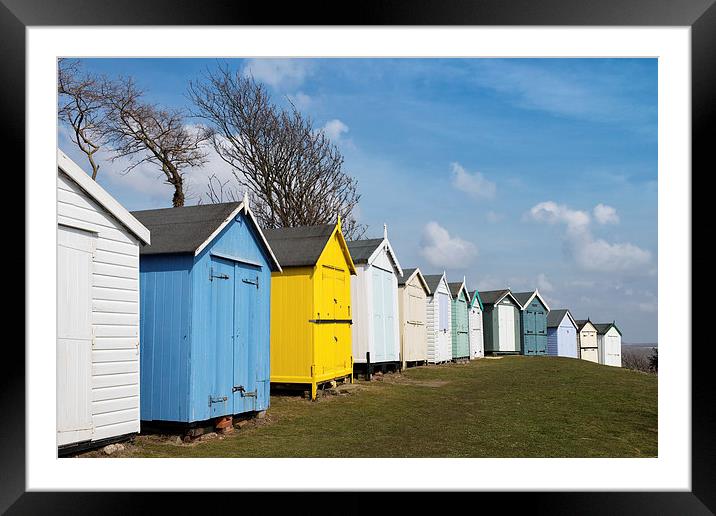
x=74, y=335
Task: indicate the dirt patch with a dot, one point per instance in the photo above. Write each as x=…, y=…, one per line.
x=399, y=379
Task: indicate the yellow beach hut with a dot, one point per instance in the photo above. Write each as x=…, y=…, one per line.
x=311, y=306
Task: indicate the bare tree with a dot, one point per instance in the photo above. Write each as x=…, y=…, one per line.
x=294, y=171
x=218, y=191
x=82, y=107
x=654, y=360
x=147, y=133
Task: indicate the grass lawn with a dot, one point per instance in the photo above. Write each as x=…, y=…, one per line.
x=507, y=407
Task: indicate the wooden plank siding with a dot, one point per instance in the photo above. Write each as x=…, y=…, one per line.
x=115, y=311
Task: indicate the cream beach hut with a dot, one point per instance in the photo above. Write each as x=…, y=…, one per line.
x=413, y=292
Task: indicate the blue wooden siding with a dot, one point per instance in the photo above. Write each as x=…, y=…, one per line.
x=208, y=328
x=562, y=340
x=534, y=328
x=165, y=297
x=552, y=347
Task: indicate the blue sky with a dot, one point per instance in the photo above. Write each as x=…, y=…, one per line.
x=513, y=172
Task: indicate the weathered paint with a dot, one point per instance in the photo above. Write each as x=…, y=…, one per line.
x=311, y=338
x=562, y=339
x=459, y=328
x=588, y=345
x=533, y=327
x=412, y=303
x=205, y=328
x=476, y=327
x=374, y=295
x=97, y=316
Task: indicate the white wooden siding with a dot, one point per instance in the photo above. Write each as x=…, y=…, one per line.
x=74, y=334
x=508, y=329
x=364, y=311
x=477, y=343
x=439, y=342
x=362, y=327
x=610, y=348
x=114, y=354
x=588, y=345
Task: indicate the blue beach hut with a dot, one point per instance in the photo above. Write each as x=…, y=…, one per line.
x=533, y=323
x=562, y=334
x=205, y=285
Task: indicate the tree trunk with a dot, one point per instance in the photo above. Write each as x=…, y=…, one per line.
x=178, y=199
x=95, y=167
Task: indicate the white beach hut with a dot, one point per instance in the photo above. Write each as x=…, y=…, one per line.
x=474, y=321
x=439, y=319
x=374, y=299
x=97, y=312
x=609, y=341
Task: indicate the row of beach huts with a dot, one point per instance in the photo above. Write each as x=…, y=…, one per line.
x=189, y=315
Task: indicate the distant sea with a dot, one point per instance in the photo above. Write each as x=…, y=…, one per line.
x=641, y=344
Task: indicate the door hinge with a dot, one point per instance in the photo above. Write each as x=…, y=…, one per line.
x=244, y=393
x=250, y=282
x=217, y=399
x=217, y=276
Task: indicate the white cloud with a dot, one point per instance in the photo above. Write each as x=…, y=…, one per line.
x=442, y=250
x=475, y=185
x=593, y=96
x=605, y=214
x=591, y=253
x=599, y=255
x=301, y=100
x=543, y=283
x=553, y=213
x=334, y=129
x=277, y=73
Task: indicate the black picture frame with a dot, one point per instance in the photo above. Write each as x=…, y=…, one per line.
x=700, y=15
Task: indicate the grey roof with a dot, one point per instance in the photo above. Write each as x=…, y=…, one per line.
x=406, y=275
x=554, y=317
x=603, y=328
x=489, y=297
x=523, y=297
x=299, y=246
x=182, y=229
x=455, y=288
x=582, y=322
x=361, y=250
x=433, y=280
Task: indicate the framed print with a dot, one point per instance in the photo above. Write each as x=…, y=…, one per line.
x=424, y=261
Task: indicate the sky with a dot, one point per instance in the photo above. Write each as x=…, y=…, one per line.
x=514, y=173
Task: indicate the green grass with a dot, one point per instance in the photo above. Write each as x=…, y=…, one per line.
x=510, y=407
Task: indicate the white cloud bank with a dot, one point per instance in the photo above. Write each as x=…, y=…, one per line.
x=277, y=73
x=590, y=253
x=605, y=214
x=442, y=250
x=476, y=185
